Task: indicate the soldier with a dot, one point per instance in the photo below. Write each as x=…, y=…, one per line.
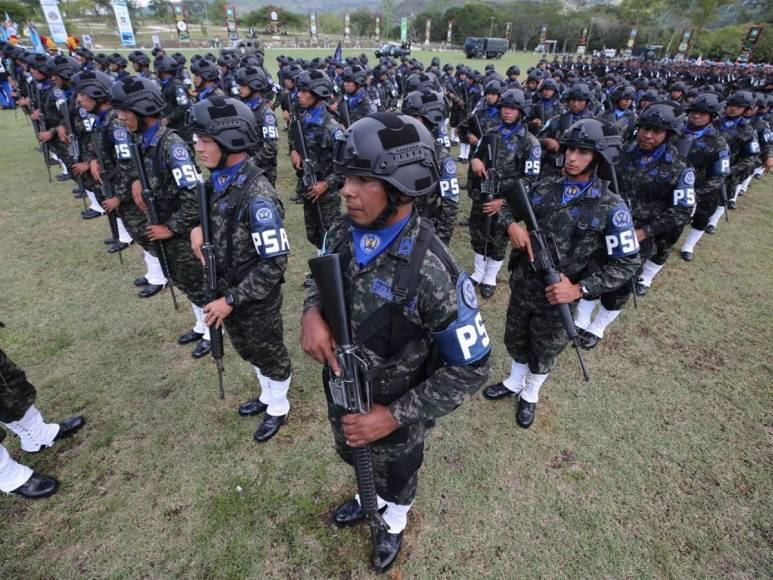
x=547, y=104
x=709, y=155
x=227, y=63
x=387, y=91
x=206, y=78
x=321, y=202
x=742, y=140
x=355, y=93
x=141, y=64
x=382, y=243
x=118, y=64
x=251, y=247
x=620, y=112
x=658, y=185
x=517, y=157
x=176, y=95
x=253, y=86
x=19, y=414
x=578, y=100
x=487, y=113
x=441, y=205
x=594, y=236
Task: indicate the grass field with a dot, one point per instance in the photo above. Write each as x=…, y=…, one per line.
x=660, y=467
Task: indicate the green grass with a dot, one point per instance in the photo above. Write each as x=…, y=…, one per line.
x=660, y=467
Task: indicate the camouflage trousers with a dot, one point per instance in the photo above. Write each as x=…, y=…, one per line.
x=185, y=268
x=648, y=250
x=257, y=334
x=441, y=211
x=16, y=393
x=320, y=215
x=496, y=248
x=135, y=222
x=396, y=458
x=534, y=332
x=705, y=208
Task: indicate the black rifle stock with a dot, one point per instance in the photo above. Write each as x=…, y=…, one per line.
x=308, y=175
x=343, y=113
x=150, y=202
x=74, y=146
x=724, y=198
x=107, y=189
x=489, y=187
x=543, y=260
x=210, y=284
x=349, y=391
x=40, y=126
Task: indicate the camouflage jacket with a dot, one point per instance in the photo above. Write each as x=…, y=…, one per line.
x=488, y=117
x=518, y=156
x=265, y=152
x=601, y=256
x=709, y=156
x=658, y=188
x=84, y=130
x=545, y=110
x=764, y=135
x=742, y=140
x=173, y=177
x=248, y=206
x=442, y=204
x=320, y=130
x=434, y=309
x=178, y=102
x=625, y=123
x=114, y=140
x=360, y=105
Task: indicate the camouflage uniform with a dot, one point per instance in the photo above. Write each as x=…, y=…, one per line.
x=441, y=207
x=360, y=105
x=251, y=265
x=53, y=118
x=659, y=189
x=404, y=380
x=265, y=152
x=518, y=156
x=16, y=393
x=123, y=173
x=625, y=121
x=710, y=158
x=552, y=163
x=173, y=177
x=601, y=257
x=320, y=130
x=744, y=149
x=178, y=101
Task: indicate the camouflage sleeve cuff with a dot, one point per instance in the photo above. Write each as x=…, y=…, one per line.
x=408, y=409
x=592, y=285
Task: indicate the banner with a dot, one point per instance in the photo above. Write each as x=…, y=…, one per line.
x=87, y=41
x=684, y=43
x=378, y=27
x=181, y=22
x=156, y=40
x=125, y=30
x=748, y=44
x=54, y=20
x=583, y=40
x=347, y=28
x=450, y=33
x=230, y=23
x=543, y=35
x=313, y=27
x=37, y=43
x=632, y=38
x=404, y=29
x=427, y=30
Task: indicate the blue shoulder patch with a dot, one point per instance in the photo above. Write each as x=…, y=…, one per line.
x=684, y=193
x=620, y=233
x=267, y=229
x=183, y=170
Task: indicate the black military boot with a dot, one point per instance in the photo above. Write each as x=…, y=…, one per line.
x=189, y=337
x=497, y=391
x=524, y=416
x=70, y=427
x=37, y=487
x=252, y=407
x=348, y=514
x=150, y=290
x=201, y=349
x=140, y=282
x=386, y=549
x=487, y=290
x=687, y=256
x=641, y=289
x=587, y=340
x=269, y=427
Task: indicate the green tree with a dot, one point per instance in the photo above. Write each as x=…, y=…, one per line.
x=363, y=23
x=20, y=13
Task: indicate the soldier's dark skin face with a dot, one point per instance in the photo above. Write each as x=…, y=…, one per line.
x=577, y=163
x=624, y=104
x=492, y=98
x=366, y=198
x=129, y=119
x=509, y=115
x=548, y=93
x=39, y=76
x=698, y=120
x=731, y=111
x=650, y=138
x=306, y=99
x=577, y=105
x=86, y=102
x=350, y=87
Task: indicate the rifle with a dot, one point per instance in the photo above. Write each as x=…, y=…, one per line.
x=475, y=127
x=150, y=201
x=74, y=146
x=543, y=259
x=343, y=115
x=723, y=197
x=210, y=284
x=616, y=190
x=40, y=126
x=350, y=391
x=107, y=190
x=489, y=187
x=309, y=177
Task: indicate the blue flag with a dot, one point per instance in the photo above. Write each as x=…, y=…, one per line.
x=35, y=39
x=338, y=53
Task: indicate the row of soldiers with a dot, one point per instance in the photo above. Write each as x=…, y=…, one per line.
x=611, y=210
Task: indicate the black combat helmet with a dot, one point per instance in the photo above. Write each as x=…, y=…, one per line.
x=661, y=115
x=139, y=57
x=165, y=64
x=428, y=105
x=205, y=69
x=252, y=77
x=598, y=136
x=230, y=122
x=65, y=67
x=140, y=95
x=316, y=82
x=514, y=99
x=94, y=84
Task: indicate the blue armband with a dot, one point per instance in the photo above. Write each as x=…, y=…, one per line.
x=449, y=185
x=183, y=169
x=621, y=234
x=684, y=194
x=267, y=229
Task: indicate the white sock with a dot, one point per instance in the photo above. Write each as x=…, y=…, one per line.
x=759, y=171
x=12, y=474
x=603, y=319
x=94, y=203
x=123, y=235
x=479, y=263
x=517, y=379
x=454, y=137
x=155, y=274
x=693, y=236
x=714, y=219
x=464, y=150
x=737, y=191
x=583, y=313
x=649, y=272
x=64, y=167
x=396, y=516
x=746, y=183
x=274, y=394
x=379, y=500
x=33, y=431
x=492, y=269
x=200, y=326
x=533, y=383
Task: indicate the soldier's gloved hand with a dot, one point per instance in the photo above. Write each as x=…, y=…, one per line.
x=563, y=292
x=478, y=168
x=521, y=239
x=361, y=429
x=197, y=239
x=317, y=339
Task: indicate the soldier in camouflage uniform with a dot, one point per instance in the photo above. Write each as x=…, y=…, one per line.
x=758, y=119
x=251, y=247
x=206, y=78
x=546, y=105
x=488, y=116
x=442, y=205
x=597, y=252
x=709, y=156
x=658, y=185
x=578, y=100
x=141, y=63
x=176, y=95
x=356, y=94
x=620, y=112
x=387, y=91
x=62, y=69
x=253, y=86
x=84, y=132
x=321, y=203
x=19, y=414
x=741, y=139
x=383, y=243
x=518, y=155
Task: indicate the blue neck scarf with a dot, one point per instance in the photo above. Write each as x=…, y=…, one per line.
x=222, y=178
x=647, y=158
x=369, y=244
x=574, y=190
x=149, y=133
